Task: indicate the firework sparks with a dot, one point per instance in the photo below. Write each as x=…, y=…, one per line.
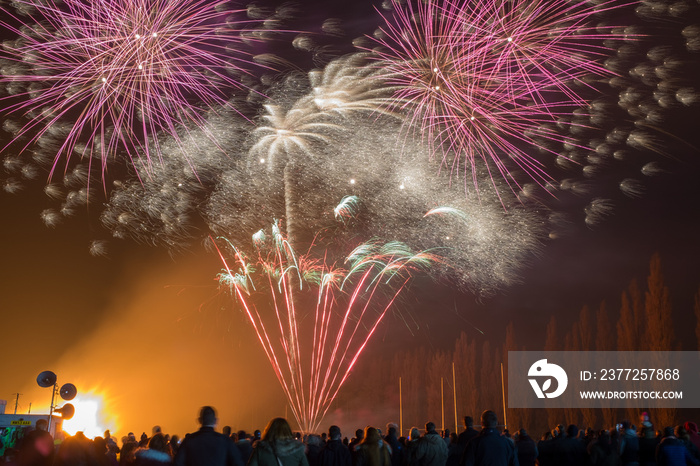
x=486, y=82
x=278, y=290
x=120, y=71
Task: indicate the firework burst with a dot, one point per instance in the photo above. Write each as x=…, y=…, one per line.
x=485, y=82
x=120, y=72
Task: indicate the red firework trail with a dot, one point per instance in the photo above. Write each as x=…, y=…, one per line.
x=281, y=293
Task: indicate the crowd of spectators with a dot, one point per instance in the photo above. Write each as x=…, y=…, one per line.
x=278, y=445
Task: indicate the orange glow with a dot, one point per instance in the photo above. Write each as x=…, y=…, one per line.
x=90, y=416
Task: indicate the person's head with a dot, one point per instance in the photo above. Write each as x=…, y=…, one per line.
x=207, y=416
x=691, y=427
x=257, y=435
x=415, y=433
x=371, y=436
x=572, y=431
x=156, y=430
x=429, y=427
x=242, y=435
x=681, y=433
x=99, y=445
x=392, y=429
x=645, y=419
x=359, y=434
x=489, y=419
x=522, y=433
x=468, y=422
x=158, y=442
x=334, y=433
x=668, y=431
x=42, y=424
x=226, y=430
x=625, y=425
x=277, y=429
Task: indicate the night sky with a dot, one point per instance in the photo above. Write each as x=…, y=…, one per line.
x=151, y=331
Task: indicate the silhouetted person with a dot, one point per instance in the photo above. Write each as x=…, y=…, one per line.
x=174, y=443
x=207, y=447
x=601, y=452
x=101, y=453
x=570, y=449
x=278, y=447
x=396, y=448
x=372, y=451
x=692, y=429
x=313, y=449
x=454, y=451
x=629, y=445
x=411, y=445
x=526, y=449
x=489, y=447
x=648, y=442
x=545, y=448
x=468, y=433
x=672, y=452
x=75, y=451
x=36, y=448
x=431, y=449
x=157, y=453
x=128, y=451
x=244, y=445
x=334, y=452
x=359, y=435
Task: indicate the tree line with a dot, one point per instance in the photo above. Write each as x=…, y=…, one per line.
x=421, y=384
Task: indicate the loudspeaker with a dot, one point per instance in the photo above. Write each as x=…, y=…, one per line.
x=66, y=411
x=68, y=391
x=46, y=379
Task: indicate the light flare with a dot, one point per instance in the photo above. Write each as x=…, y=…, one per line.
x=90, y=416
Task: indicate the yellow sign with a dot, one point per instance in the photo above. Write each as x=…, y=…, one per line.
x=21, y=422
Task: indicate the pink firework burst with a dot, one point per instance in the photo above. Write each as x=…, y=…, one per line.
x=109, y=75
x=486, y=81
x=314, y=318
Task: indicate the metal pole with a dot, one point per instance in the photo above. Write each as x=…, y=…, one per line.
x=454, y=390
x=17, y=401
x=400, y=410
x=442, y=402
x=53, y=394
x=503, y=392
